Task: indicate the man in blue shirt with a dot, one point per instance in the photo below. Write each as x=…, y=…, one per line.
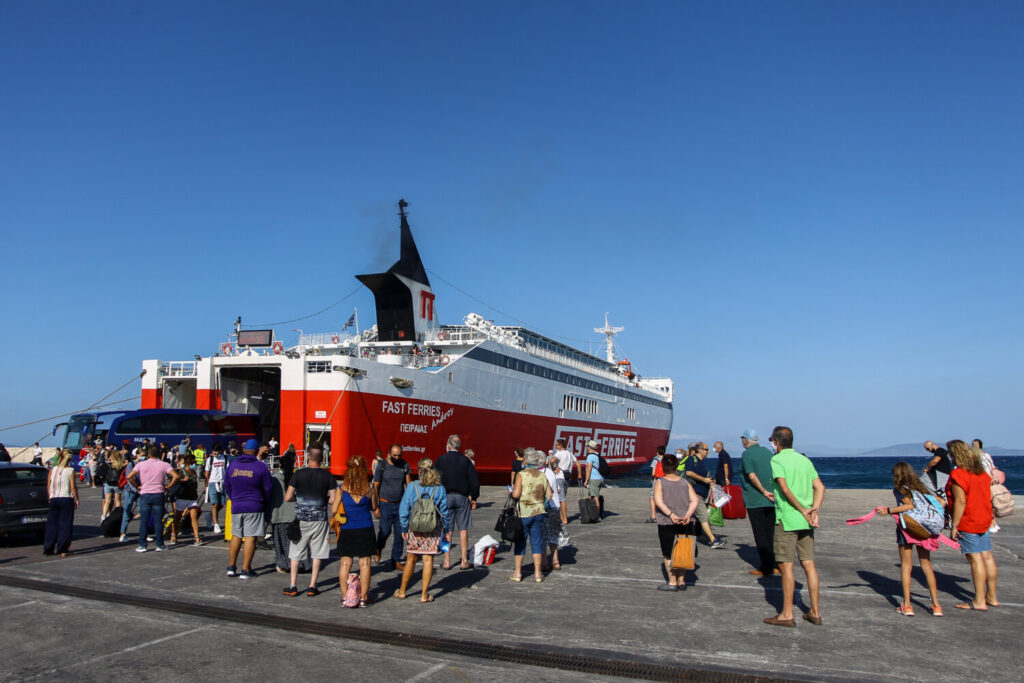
x=697, y=472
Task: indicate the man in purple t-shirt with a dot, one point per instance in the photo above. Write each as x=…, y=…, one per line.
x=247, y=484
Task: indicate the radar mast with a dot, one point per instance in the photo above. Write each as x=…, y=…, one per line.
x=609, y=332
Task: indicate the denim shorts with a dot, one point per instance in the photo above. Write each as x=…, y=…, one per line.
x=109, y=489
x=214, y=497
x=975, y=543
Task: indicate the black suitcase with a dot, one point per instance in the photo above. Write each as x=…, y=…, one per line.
x=589, y=512
x=111, y=524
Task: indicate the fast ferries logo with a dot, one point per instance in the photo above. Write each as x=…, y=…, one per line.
x=615, y=444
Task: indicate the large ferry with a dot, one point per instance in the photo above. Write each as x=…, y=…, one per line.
x=413, y=381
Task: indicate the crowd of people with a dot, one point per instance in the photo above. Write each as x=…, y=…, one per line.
x=381, y=502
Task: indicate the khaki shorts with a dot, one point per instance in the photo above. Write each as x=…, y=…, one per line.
x=313, y=541
x=701, y=512
x=594, y=487
x=790, y=544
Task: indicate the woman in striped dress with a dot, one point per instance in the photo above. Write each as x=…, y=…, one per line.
x=60, y=484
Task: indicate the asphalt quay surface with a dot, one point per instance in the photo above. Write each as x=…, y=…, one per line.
x=602, y=605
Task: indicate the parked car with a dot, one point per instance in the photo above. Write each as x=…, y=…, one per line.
x=23, y=499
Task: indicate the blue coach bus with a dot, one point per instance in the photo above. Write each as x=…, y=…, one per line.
x=169, y=425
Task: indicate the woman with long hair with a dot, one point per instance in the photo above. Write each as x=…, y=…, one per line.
x=422, y=544
x=111, y=491
x=905, y=484
x=60, y=518
x=356, y=539
x=968, y=493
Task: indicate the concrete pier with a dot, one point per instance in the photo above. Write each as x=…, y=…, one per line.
x=175, y=615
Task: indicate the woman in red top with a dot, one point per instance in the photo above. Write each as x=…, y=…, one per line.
x=969, y=493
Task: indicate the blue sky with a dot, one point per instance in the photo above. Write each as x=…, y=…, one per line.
x=804, y=213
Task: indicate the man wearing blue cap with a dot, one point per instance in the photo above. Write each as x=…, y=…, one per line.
x=247, y=484
x=755, y=477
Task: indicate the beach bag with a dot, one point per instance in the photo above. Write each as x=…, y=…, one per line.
x=715, y=517
x=683, y=552
x=354, y=591
x=424, y=518
x=926, y=519
x=1002, y=501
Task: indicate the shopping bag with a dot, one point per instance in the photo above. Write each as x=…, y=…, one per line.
x=683, y=552
x=715, y=517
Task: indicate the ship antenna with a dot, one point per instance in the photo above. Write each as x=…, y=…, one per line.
x=401, y=208
x=609, y=332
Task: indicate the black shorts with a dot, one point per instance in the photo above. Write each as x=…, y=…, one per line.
x=357, y=542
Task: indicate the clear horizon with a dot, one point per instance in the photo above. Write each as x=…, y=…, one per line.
x=804, y=213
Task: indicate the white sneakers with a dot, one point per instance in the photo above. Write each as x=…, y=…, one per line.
x=216, y=529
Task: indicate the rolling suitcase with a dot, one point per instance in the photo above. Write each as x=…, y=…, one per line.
x=734, y=509
x=110, y=527
x=589, y=512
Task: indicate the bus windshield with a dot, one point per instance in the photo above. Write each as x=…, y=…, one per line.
x=80, y=432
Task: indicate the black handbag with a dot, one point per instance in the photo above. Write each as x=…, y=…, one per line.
x=509, y=524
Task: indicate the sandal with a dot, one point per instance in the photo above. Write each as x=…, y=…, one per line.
x=515, y=578
x=365, y=602
x=905, y=611
x=557, y=567
x=398, y=594
x=429, y=598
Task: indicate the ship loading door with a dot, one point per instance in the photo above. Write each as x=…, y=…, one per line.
x=320, y=434
x=254, y=391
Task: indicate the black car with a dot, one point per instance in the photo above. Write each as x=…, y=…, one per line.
x=23, y=499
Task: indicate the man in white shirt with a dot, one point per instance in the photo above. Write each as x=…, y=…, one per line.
x=565, y=461
x=216, y=464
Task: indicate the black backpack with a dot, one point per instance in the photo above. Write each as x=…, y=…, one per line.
x=102, y=472
x=602, y=466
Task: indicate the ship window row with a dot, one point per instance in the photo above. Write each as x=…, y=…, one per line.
x=503, y=361
x=318, y=366
x=579, y=404
x=630, y=413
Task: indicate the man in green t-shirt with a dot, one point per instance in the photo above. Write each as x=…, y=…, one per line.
x=756, y=479
x=798, y=494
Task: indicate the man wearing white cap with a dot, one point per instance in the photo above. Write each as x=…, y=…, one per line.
x=756, y=478
x=591, y=477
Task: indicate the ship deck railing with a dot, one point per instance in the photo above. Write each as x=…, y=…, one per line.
x=326, y=338
x=178, y=368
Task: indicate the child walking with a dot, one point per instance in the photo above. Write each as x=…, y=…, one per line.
x=905, y=484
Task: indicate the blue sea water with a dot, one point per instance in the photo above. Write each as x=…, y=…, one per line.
x=856, y=472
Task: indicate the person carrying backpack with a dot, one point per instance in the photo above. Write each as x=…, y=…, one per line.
x=910, y=495
x=423, y=516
